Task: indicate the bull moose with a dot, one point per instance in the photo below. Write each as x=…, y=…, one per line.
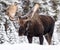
x=37, y=26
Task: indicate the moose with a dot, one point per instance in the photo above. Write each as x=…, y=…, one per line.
x=37, y=26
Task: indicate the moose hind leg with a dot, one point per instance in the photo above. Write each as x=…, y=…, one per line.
x=49, y=35
x=29, y=39
x=41, y=39
x=48, y=38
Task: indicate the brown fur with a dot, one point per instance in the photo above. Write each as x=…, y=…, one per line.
x=38, y=25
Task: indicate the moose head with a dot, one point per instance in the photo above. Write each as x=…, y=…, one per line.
x=24, y=25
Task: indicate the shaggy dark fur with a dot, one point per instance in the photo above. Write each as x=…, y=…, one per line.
x=38, y=26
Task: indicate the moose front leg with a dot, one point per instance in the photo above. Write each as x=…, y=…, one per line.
x=41, y=39
x=29, y=39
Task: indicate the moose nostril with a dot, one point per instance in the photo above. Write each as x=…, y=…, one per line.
x=21, y=28
x=21, y=31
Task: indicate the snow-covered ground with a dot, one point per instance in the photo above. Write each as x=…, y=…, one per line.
x=26, y=46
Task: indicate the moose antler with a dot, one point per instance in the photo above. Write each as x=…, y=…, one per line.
x=36, y=7
x=11, y=11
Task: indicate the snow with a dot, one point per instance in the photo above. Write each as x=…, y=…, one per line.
x=26, y=46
